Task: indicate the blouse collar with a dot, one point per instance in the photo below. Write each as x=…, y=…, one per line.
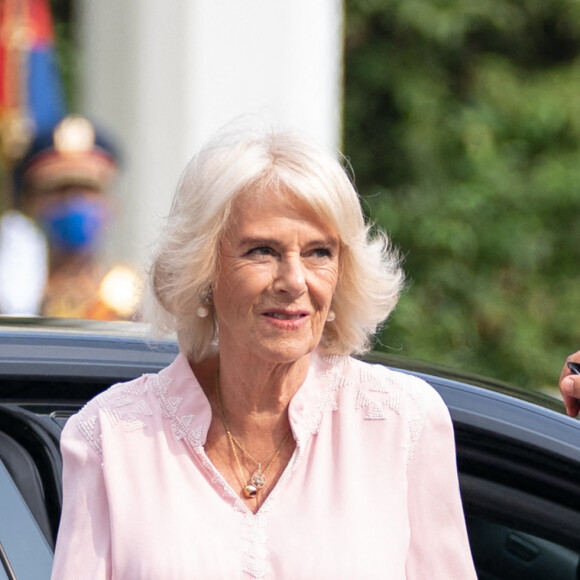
x=184, y=403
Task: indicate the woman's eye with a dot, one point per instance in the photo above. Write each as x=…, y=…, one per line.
x=322, y=253
x=261, y=251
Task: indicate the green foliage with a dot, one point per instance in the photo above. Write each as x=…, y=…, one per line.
x=66, y=50
x=462, y=123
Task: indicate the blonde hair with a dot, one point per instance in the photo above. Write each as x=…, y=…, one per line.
x=263, y=162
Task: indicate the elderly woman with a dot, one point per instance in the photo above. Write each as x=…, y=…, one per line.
x=265, y=450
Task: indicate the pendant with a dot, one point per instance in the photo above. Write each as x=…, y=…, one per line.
x=258, y=479
x=250, y=490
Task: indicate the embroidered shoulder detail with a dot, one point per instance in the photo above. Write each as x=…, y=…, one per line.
x=87, y=426
x=122, y=403
x=416, y=423
x=325, y=399
x=180, y=425
x=378, y=394
x=381, y=393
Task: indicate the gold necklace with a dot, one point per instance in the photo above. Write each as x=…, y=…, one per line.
x=257, y=479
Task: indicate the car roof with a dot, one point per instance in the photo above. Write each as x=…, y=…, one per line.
x=72, y=348
x=509, y=412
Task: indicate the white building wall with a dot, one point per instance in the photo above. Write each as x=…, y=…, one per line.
x=166, y=74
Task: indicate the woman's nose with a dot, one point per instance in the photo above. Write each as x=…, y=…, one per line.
x=290, y=277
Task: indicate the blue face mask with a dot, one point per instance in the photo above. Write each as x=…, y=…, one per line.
x=74, y=224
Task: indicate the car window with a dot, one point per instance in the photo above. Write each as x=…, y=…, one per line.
x=518, y=535
x=23, y=543
x=501, y=552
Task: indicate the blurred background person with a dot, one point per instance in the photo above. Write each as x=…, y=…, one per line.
x=57, y=174
x=32, y=101
x=63, y=184
x=23, y=265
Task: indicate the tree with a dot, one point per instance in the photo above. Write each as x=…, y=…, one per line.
x=462, y=123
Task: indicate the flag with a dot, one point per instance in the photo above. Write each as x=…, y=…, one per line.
x=31, y=91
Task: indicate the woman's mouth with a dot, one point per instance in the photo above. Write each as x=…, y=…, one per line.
x=286, y=316
x=286, y=320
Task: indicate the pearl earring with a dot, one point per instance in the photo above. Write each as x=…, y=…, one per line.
x=331, y=316
x=205, y=300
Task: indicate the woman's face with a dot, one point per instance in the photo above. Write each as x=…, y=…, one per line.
x=279, y=266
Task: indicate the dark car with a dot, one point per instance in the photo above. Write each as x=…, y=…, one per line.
x=518, y=454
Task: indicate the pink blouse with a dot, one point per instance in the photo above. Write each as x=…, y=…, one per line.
x=370, y=492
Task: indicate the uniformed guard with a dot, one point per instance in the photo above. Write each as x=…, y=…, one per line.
x=64, y=184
